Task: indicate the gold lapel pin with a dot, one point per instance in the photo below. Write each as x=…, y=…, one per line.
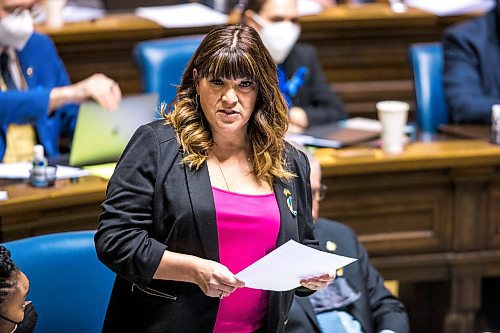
x=29, y=71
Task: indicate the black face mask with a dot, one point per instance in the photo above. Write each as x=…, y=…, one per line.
x=27, y=325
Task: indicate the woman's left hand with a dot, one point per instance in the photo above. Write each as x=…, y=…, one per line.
x=318, y=282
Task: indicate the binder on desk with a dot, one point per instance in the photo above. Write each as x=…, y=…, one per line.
x=334, y=135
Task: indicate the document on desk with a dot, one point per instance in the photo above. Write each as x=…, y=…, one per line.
x=182, y=16
x=283, y=268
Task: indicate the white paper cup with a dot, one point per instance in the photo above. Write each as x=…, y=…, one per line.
x=393, y=116
x=54, y=13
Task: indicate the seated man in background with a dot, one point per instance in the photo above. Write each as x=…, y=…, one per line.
x=301, y=78
x=37, y=101
x=16, y=314
x=472, y=68
x=357, y=301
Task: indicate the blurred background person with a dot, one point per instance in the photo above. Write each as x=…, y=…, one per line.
x=16, y=314
x=37, y=100
x=472, y=68
x=301, y=78
x=204, y=193
x=357, y=300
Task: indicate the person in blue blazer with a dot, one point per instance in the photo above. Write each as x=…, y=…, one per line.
x=472, y=68
x=43, y=95
x=357, y=301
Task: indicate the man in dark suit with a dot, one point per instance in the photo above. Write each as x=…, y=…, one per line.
x=301, y=77
x=357, y=299
x=472, y=68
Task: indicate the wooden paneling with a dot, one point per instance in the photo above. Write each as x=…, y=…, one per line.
x=64, y=207
x=428, y=214
x=393, y=211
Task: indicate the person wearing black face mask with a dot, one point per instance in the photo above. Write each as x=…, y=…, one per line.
x=16, y=314
x=472, y=68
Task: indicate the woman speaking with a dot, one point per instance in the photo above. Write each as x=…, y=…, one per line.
x=202, y=194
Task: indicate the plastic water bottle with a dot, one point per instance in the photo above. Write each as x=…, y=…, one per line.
x=38, y=176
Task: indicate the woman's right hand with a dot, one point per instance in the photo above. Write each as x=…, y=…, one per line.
x=215, y=279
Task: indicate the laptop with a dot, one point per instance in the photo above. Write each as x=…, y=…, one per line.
x=101, y=136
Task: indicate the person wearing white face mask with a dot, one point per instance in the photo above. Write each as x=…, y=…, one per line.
x=37, y=100
x=302, y=80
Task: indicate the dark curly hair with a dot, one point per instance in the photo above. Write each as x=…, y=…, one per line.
x=8, y=274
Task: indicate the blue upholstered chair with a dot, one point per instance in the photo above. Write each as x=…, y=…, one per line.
x=427, y=62
x=162, y=63
x=69, y=286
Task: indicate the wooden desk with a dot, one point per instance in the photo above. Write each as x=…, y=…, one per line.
x=363, y=49
x=66, y=206
x=429, y=214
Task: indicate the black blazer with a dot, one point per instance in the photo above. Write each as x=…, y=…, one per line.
x=472, y=69
x=376, y=309
x=321, y=104
x=155, y=203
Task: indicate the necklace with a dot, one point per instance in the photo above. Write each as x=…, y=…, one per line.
x=222, y=173
x=245, y=173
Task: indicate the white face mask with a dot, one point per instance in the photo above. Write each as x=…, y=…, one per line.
x=16, y=29
x=279, y=37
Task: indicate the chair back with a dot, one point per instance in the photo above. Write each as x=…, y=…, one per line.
x=69, y=286
x=162, y=63
x=427, y=63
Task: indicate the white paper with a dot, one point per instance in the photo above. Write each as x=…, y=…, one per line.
x=182, y=16
x=308, y=7
x=360, y=123
x=22, y=171
x=283, y=268
x=368, y=124
x=451, y=7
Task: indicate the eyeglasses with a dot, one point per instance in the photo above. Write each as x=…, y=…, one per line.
x=320, y=193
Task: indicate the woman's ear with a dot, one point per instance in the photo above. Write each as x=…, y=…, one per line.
x=195, y=79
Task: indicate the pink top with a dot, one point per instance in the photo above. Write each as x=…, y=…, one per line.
x=247, y=227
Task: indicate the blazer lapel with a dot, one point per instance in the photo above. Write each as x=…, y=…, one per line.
x=202, y=201
x=288, y=227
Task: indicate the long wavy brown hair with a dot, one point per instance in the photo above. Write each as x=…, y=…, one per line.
x=233, y=52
